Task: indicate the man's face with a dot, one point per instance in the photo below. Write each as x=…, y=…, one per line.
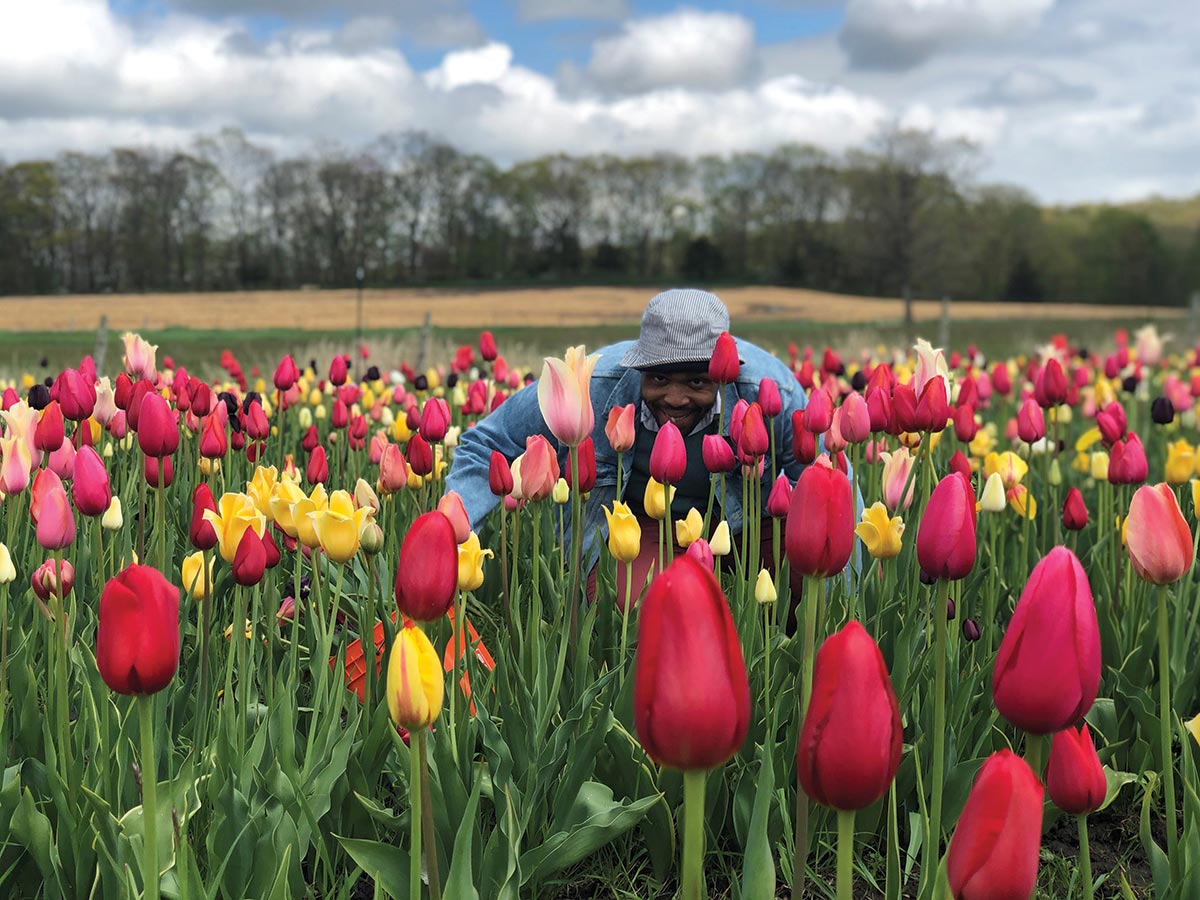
x=679, y=397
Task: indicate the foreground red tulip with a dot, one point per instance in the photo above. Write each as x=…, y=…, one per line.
x=852, y=738
x=1074, y=776
x=691, y=703
x=819, y=531
x=994, y=852
x=724, y=365
x=137, y=640
x=427, y=574
x=946, y=534
x=1047, y=669
x=1158, y=537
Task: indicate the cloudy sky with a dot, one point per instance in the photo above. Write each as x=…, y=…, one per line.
x=1074, y=100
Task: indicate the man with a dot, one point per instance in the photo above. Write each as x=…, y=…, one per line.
x=665, y=372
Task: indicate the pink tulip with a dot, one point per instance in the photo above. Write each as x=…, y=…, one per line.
x=855, y=422
x=896, y=469
x=1031, y=423
x=564, y=395
x=717, y=454
x=619, y=429
x=451, y=506
x=45, y=581
x=55, y=519
x=778, y=499
x=1157, y=536
x=90, y=487
x=668, y=458
x=62, y=460
x=14, y=470
x=818, y=414
x=768, y=398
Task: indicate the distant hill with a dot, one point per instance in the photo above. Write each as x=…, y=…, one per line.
x=1178, y=218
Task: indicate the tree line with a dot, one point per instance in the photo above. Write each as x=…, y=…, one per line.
x=902, y=214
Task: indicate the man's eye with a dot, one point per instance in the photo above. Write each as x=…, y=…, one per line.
x=700, y=383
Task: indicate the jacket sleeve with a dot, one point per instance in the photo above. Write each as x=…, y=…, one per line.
x=505, y=429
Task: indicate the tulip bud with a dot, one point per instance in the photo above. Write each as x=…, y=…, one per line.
x=689, y=528
x=46, y=583
x=415, y=681
x=723, y=365
x=819, y=533
x=8, y=573
x=764, y=588
x=851, y=740
x=620, y=427
x=197, y=586
x=1074, y=776
x=717, y=454
x=668, y=458
x=317, y=471
x=946, y=533
x=818, y=414
x=1159, y=539
x=720, y=542
x=427, y=573
x=768, y=398
x=781, y=494
x=1074, y=512
x=158, y=435
x=691, y=698
x=137, y=640
x=970, y=630
x=500, y=479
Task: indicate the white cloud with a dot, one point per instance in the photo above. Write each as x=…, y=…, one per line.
x=484, y=65
x=687, y=48
x=898, y=34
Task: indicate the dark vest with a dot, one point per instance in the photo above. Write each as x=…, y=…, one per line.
x=691, y=491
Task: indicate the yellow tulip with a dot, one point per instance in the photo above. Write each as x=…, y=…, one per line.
x=365, y=496
x=8, y=572
x=1022, y=502
x=306, y=531
x=1196, y=497
x=1193, y=727
x=1105, y=393
x=720, y=542
x=652, y=500
x=284, y=497
x=984, y=441
x=993, y=498
x=689, y=529
x=415, y=683
x=315, y=398
x=1082, y=463
x=207, y=466
x=880, y=531
x=305, y=417
x=1088, y=439
x=260, y=487
x=470, y=563
x=1010, y=467
x=764, y=587
x=339, y=526
x=192, y=572
x=1100, y=466
x=562, y=492
x=400, y=430
x=624, y=532
x=1181, y=462
x=113, y=519
x=234, y=514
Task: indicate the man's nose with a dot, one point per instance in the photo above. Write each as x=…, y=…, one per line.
x=677, y=396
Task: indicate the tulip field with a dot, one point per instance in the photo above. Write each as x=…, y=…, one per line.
x=253, y=646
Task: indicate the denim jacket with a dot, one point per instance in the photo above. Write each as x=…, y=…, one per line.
x=612, y=384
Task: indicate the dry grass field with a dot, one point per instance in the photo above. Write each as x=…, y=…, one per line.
x=450, y=308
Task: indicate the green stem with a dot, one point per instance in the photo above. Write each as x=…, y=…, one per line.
x=576, y=543
x=845, y=854
x=414, y=816
x=1165, y=716
x=145, y=705
x=1034, y=747
x=1085, y=859
x=811, y=597
x=625, y=621
x=933, y=838
x=431, y=860
x=670, y=538
x=693, y=835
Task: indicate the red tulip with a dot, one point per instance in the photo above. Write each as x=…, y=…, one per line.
x=45, y=581
x=317, y=471
x=1127, y=463
x=254, y=422
x=1074, y=512
x=1112, y=423
x=270, y=548
x=946, y=534
x=1031, y=423
x=668, y=458
x=818, y=413
x=960, y=465
x=311, y=439
x=619, y=429
x=75, y=394
x=487, y=346
x=1051, y=389
x=754, y=441
x=200, y=531
x=717, y=454
x=879, y=408
x=157, y=431
x=1001, y=380
x=250, y=559
x=768, y=398
x=90, y=488
x=286, y=373
x=993, y=854
x=1047, y=669
x=1074, y=776
x=48, y=436
x=500, y=479
x=339, y=417
x=819, y=531
x=933, y=410
x=904, y=410
x=151, y=474
x=213, y=440
x=804, y=443
x=338, y=371
x=420, y=455
x=435, y=419
x=691, y=702
x=427, y=574
x=1158, y=538
x=587, y=467
x=724, y=365
x=852, y=738
x=393, y=469
x=965, y=426
x=780, y=497
x=137, y=640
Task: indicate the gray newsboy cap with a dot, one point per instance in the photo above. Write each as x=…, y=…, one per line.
x=680, y=325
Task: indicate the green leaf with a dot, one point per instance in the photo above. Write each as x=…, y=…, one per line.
x=758, y=864
x=460, y=882
x=31, y=829
x=1160, y=867
x=385, y=863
